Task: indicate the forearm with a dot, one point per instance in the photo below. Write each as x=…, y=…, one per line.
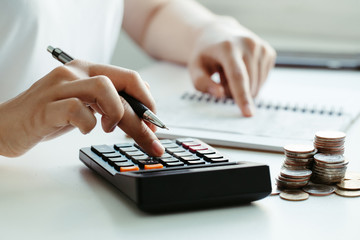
x=166, y=29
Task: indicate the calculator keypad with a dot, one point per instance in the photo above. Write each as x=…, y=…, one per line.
x=178, y=153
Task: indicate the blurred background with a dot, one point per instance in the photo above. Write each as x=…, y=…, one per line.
x=329, y=26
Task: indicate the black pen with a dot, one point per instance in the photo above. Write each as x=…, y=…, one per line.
x=140, y=109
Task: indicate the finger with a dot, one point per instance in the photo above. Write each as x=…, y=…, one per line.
x=201, y=77
x=224, y=83
x=67, y=112
x=238, y=80
x=98, y=91
x=266, y=62
x=252, y=67
x=140, y=132
x=125, y=80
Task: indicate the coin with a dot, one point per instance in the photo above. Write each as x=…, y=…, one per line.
x=303, y=173
x=294, y=195
x=352, y=175
x=347, y=193
x=290, y=185
x=329, y=158
x=319, y=189
x=330, y=135
x=299, y=148
x=349, y=184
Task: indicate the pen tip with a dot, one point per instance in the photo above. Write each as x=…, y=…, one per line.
x=166, y=128
x=50, y=49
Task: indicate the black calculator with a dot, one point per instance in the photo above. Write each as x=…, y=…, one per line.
x=190, y=175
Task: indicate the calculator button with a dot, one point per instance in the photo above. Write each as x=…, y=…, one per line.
x=171, y=145
x=166, y=141
x=124, y=150
x=194, y=149
x=196, y=162
x=174, y=164
x=182, y=154
x=135, y=153
x=100, y=149
x=122, y=145
x=166, y=155
x=201, y=153
x=208, y=157
x=128, y=169
x=118, y=165
x=111, y=155
x=175, y=150
x=153, y=166
x=168, y=160
x=218, y=160
x=142, y=163
x=190, y=158
x=190, y=144
x=135, y=159
x=112, y=161
x=182, y=140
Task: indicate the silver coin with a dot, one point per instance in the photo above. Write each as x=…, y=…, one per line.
x=347, y=193
x=290, y=185
x=294, y=195
x=329, y=158
x=332, y=165
x=319, y=189
x=295, y=173
x=349, y=184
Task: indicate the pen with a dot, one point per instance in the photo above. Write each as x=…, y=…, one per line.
x=140, y=109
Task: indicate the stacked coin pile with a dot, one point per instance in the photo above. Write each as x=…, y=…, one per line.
x=330, y=142
x=328, y=169
x=295, y=172
x=329, y=163
x=299, y=156
x=348, y=188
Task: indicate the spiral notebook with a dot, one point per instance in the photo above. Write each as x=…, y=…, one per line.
x=219, y=121
x=292, y=105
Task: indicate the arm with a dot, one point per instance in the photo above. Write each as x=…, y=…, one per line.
x=68, y=97
x=183, y=31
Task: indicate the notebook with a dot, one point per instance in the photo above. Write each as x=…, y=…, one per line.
x=292, y=106
x=218, y=121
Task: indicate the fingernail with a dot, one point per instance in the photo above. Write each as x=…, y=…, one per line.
x=158, y=148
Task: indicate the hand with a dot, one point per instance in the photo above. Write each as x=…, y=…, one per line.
x=241, y=58
x=68, y=97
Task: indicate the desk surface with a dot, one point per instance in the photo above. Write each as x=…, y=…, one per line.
x=49, y=194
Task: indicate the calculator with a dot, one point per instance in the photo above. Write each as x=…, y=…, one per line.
x=189, y=175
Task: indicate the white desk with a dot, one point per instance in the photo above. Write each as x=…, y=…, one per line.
x=49, y=194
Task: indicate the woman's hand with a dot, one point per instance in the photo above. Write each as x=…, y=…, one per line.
x=241, y=58
x=68, y=97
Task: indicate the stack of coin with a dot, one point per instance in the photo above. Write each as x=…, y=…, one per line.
x=295, y=171
x=330, y=142
x=328, y=168
x=292, y=179
x=299, y=156
x=329, y=163
x=348, y=188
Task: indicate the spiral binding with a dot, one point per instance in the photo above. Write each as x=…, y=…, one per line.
x=266, y=105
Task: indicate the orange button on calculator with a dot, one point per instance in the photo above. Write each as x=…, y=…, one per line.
x=128, y=169
x=153, y=166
